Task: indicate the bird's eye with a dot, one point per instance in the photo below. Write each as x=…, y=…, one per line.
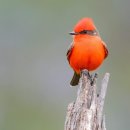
x=89, y=32
x=84, y=32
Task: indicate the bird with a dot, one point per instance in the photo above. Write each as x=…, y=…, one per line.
x=87, y=50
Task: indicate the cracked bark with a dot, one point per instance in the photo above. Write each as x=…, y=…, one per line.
x=86, y=113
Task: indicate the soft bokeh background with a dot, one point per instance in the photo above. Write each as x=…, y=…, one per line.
x=34, y=72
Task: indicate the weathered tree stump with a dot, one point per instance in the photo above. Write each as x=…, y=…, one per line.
x=86, y=113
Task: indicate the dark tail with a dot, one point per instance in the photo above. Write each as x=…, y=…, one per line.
x=75, y=79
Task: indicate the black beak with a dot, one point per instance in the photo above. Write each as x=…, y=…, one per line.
x=73, y=33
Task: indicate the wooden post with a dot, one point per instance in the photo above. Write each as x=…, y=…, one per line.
x=86, y=113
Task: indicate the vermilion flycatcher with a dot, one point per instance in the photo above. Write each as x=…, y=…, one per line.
x=87, y=50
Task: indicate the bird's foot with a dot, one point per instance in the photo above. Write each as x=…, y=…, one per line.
x=94, y=79
x=86, y=73
x=89, y=76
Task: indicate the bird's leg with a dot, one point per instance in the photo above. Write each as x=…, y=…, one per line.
x=86, y=72
x=89, y=76
x=94, y=79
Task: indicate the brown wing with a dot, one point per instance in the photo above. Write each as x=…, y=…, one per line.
x=105, y=49
x=68, y=54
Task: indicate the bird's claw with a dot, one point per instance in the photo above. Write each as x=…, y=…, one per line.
x=86, y=73
x=89, y=76
x=94, y=79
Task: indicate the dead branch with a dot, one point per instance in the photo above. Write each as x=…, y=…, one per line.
x=86, y=113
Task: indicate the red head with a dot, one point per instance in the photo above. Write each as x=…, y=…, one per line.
x=84, y=24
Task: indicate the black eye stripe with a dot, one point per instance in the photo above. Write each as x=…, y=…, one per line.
x=84, y=32
x=89, y=32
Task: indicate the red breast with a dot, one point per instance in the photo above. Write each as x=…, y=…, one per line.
x=88, y=53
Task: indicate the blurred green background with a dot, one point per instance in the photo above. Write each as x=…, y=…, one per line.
x=34, y=72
